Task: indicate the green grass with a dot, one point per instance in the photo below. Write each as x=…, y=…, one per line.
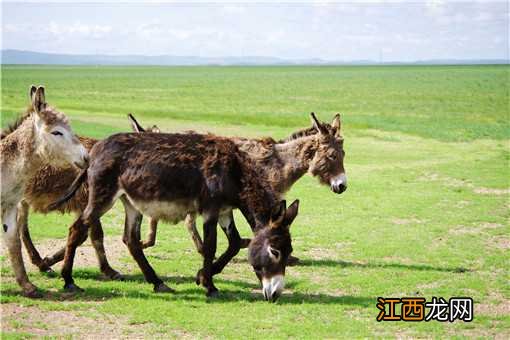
x=427, y=149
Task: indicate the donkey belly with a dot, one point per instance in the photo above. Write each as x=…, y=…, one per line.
x=169, y=211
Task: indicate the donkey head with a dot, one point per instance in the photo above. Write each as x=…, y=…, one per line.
x=138, y=128
x=54, y=138
x=270, y=248
x=328, y=161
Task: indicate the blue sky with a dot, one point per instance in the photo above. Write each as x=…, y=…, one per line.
x=392, y=31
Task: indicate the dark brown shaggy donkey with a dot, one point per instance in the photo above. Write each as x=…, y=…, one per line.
x=45, y=187
x=317, y=150
x=168, y=176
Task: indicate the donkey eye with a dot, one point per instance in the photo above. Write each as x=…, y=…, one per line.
x=56, y=133
x=275, y=252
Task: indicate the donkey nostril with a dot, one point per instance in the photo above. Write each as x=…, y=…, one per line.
x=275, y=296
x=265, y=293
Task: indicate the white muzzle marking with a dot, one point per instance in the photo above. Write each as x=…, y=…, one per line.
x=272, y=287
x=339, y=180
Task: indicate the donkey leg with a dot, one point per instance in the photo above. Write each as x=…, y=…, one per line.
x=12, y=239
x=151, y=236
x=97, y=238
x=55, y=258
x=77, y=235
x=33, y=254
x=195, y=236
x=234, y=242
x=132, y=228
x=205, y=275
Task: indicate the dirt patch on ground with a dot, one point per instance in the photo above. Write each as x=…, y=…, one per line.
x=42, y=323
x=406, y=221
x=85, y=254
x=499, y=242
x=475, y=229
x=463, y=183
x=489, y=191
x=495, y=305
x=320, y=253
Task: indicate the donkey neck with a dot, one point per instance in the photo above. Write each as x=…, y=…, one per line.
x=294, y=159
x=255, y=197
x=20, y=149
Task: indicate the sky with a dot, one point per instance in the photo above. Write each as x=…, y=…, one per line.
x=341, y=31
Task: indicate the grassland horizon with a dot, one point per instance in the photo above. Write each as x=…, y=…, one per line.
x=426, y=213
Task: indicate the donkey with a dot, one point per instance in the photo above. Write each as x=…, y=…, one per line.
x=42, y=135
x=317, y=150
x=46, y=186
x=146, y=172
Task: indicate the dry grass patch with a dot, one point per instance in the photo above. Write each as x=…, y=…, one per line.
x=85, y=254
x=475, y=229
x=43, y=323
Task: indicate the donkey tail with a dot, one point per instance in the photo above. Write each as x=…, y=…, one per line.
x=78, y=181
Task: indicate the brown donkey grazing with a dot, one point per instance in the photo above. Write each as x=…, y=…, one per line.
x=317, y=150
x=45, y=187
x=41, y=136
x=147, y=172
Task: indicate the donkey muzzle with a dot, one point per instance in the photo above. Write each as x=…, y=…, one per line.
x=272, y=287
x=339, y=183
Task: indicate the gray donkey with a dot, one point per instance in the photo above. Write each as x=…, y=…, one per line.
x=41, y=136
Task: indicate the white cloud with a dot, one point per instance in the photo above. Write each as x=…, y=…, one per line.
x=150, y=30
x=77, y=28
x=233, y=9
x=435, y=7
x=12, y=28
x=274, y=37
x=483, y=16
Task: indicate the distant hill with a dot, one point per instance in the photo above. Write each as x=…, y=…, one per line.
x=37, y=58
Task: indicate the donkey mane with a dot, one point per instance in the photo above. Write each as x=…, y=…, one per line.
x=302, y=133
x=49, y=115
x=11, y=127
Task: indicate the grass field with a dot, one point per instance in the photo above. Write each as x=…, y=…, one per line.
x=426, y=213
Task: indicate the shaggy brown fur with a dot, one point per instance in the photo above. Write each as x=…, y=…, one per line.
x=149, y=170
x=51, y=182
x=318, y=150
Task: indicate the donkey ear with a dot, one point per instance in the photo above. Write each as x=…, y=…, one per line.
x=291, y=213
x=317, y=125
x=278, y=213
x=336, y=124
x=31, y=92
x=134, y=124
x=39, y=100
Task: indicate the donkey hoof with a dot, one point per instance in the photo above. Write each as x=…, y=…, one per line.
x=48, y=272
x=72, y=288
x=212, y=292
x=115, y=276
x=32, y=293
x=163, y=288
x=292, y=261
